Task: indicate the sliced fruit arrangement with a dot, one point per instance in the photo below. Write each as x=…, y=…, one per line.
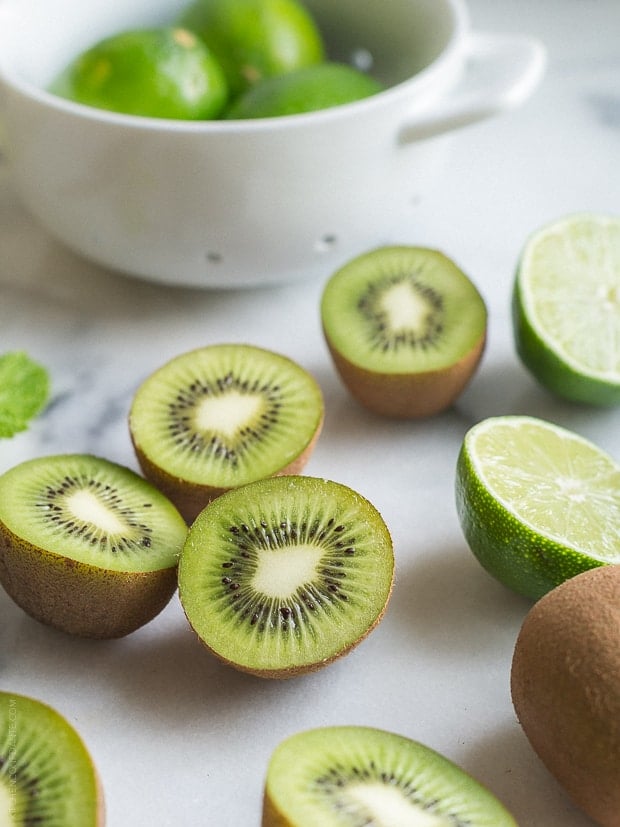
x=158, y=73
x=305, y=90
x=348, y=775
x=566, y=308
x=284, y=575
x=47, y=776
x=256, y=39
x=406, y=329
x=538, y=504
x=565, y=684
x=222, y=416
x=86, y=545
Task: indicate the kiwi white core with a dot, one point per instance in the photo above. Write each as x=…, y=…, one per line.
x=386, y=807
x=281, y=572
x=405, y=309
x=86, y=506
x=229, y=413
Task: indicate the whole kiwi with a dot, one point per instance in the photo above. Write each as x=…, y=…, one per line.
x=565, y=683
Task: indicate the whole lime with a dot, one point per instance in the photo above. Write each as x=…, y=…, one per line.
x=306, y=90
x=255, y=39
x=159, y=73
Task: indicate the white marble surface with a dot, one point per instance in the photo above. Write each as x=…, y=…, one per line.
x=182, y=740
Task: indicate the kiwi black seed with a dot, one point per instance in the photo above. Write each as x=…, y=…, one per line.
x=47, y=776
x=406, y=329
x=221, y=416
x=87, y=545
x=284, y=575
x=349, y=776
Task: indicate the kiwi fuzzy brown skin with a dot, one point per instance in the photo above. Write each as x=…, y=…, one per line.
x=565, y=684
x=407, y=395
x=78, y=598
x=190, y=498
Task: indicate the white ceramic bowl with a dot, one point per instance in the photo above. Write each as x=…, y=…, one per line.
x=243, y=203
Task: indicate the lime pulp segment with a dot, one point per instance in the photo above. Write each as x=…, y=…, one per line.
x=567, y=307
x=556, y=483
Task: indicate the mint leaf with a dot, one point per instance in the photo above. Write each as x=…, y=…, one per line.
x=24, y=391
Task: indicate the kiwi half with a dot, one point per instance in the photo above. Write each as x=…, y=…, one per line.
x=406, y=329
x=284, y=575
x=222, y=416
x=348, y=776
x=86, y=545
x=47, y=777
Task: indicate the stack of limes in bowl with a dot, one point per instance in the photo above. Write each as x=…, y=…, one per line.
x=222, y=58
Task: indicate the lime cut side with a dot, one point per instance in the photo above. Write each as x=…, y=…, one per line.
x=537, y=503
x=566, y=308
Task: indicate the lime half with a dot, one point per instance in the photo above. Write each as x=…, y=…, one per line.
x=538, y=504
x=566, y=308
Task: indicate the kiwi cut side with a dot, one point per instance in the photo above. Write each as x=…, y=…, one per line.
x=86, y=545
x=406, y=329
x=47, y=776
x=222, y=416
x=284, y=575
x=350, y=776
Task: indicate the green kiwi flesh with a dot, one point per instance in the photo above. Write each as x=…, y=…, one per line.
x=349, y=776
x=221, y=416
x=47, y=777
x=406, y=329
x=87, y=545
x=565, y=686
x=284, y=575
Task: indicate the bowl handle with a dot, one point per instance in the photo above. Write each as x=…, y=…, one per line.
x=501, y=72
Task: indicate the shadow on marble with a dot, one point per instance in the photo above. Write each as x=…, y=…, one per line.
x=451, y=606
x=506, y=764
